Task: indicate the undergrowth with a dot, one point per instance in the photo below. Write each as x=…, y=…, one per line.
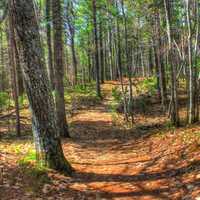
x=79, y=96
x=34, y=171
x=148, y=86
x=5, y=100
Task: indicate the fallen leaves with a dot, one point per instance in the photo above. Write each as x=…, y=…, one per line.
x=150, y=161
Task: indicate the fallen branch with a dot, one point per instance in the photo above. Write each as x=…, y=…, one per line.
x=7, y=115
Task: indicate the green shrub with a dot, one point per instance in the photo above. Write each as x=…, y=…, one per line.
x=81, y=89
x=23, y=100
x=36, y=176
x=34, y=171
x=4, y=100
x=142, y=104
x=88, y=89
x=116, y=94
x=149, y=85
x=29, y=157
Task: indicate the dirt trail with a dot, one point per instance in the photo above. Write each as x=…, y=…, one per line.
x=148, y=162
x=94, y=121
x=114, y=163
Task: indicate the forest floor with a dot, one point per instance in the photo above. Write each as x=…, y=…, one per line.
x=150, y=161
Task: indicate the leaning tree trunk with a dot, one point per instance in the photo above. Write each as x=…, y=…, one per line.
x=37, y=86
x=59, y=68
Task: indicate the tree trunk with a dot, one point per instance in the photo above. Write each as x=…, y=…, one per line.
x=174, y=94
x=59, y=68
x=74, y=60
x=101, y=52
x=130, y=104
x=12, y=61
x=160, y=63
x=157, y=72
x=71, y=25
x=151, y=65
x=98, y=88
x=192, y=75
x=119, y=68
x=49, y=44
x=110, y=53
x=37, y=86
x=3, y=72
x=20, y=81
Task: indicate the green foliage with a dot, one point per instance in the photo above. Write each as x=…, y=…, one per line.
x=142, y=105
x=114, y=118
x=35, y=170
x=88, y=89
x=116, y=94
x=148, y=85
x=80, y=95
x=113, y=106
x=35, y=173
x=198, y=63
x=29, y=157
x=116, y=101
x=4, y=100
x=23, y=100
x=83, y=89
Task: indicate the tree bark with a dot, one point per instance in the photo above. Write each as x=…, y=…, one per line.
x=12, y=61
x=119, y=67
x=174, y=94
x=37, y=86
x=59, y=68
x=3, y=71
x=70, y=20
x=101, y=52
x=75, y=72
x=130, y=103
x=98, y=87
x=160, y=63
x=192, y=75
x=49, y=43
x=20, y=81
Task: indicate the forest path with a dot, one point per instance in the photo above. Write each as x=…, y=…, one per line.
x=117, y=163
x=151, y=161
x=95, y=121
